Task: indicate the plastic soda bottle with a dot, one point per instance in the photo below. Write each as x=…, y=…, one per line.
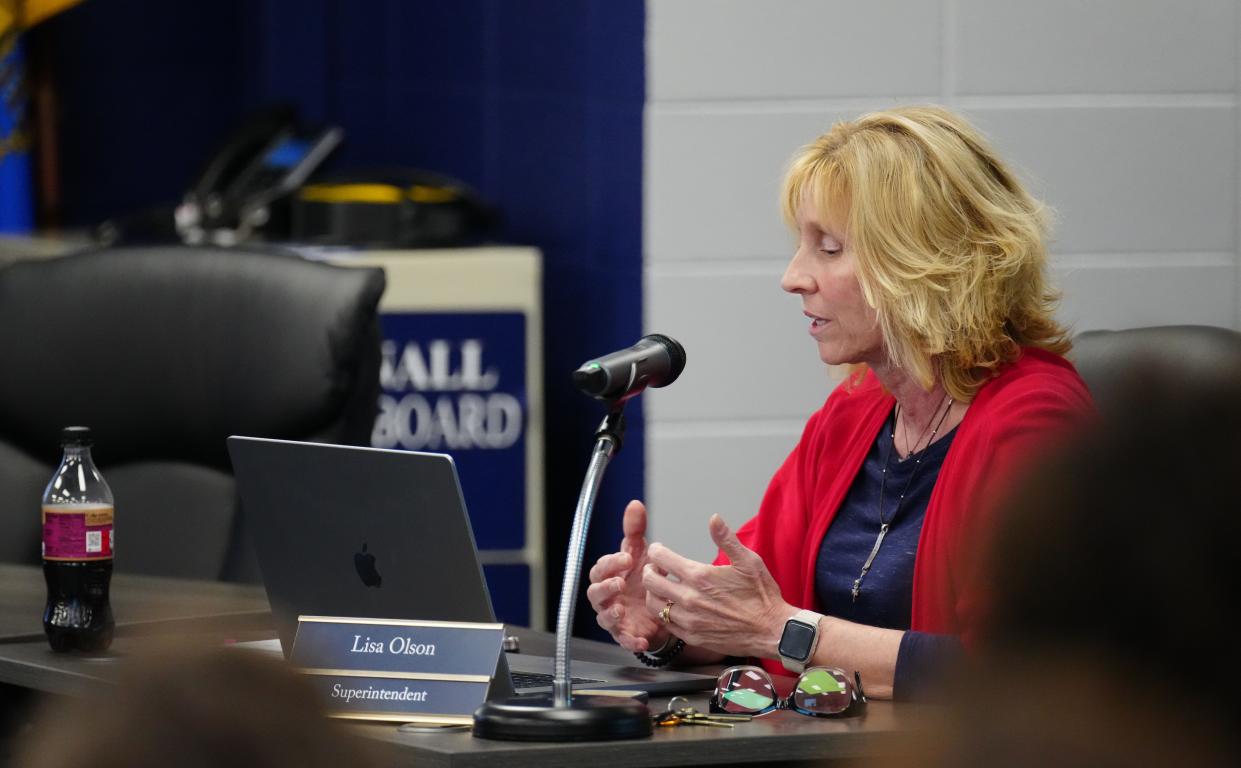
x=77, y=549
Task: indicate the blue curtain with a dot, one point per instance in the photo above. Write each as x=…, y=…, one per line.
x=16, y=207
x=536, y=103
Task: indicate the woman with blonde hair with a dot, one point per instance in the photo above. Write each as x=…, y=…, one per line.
x=921, y=263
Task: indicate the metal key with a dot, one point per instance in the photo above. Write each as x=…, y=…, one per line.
x=691, y=716
x=688, y=712
x=677, y=720
x=685, y=714
x=718, y=718
x=706, y=720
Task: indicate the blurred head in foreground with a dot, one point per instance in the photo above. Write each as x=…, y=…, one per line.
x=203, y=708
x=1115, y=580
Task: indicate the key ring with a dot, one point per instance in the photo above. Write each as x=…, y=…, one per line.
x=685, y=705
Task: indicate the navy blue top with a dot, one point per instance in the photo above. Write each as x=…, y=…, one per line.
x=886, y=595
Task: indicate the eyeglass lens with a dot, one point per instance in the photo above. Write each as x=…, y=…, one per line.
x=741, y=690
x=822, y=691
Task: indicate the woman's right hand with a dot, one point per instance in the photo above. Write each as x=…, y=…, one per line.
x=616, y=592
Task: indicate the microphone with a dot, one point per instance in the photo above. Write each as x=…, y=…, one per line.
x=655, y=361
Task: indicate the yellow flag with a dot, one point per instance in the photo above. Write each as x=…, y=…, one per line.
x=8, y=18
x=26, y=13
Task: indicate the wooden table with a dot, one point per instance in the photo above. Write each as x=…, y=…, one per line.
x=138, y=602
x=147, y=608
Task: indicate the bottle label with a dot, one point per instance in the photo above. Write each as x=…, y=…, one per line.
x=75, y=532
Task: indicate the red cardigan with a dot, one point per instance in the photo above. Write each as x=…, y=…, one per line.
x=1037, y=397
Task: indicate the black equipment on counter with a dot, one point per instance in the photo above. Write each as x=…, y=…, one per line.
x=389, y=208
x=243, y=189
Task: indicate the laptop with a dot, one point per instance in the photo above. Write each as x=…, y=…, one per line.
x=368, y=532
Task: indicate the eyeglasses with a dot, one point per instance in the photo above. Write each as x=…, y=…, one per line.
x=819, y=692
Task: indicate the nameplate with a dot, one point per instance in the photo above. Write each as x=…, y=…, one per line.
x=400, y=700
x=396, y=669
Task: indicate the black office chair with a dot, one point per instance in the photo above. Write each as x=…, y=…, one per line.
x=165, y=352
x=1111, y=360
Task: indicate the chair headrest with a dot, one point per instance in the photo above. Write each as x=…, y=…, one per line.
x=163, y=351
x=1107, y=360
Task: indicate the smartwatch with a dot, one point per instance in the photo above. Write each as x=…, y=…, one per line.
x=797, y=643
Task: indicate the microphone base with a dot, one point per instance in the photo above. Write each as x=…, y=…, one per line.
x=586, y=718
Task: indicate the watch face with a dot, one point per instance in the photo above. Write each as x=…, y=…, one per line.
x=796, y=641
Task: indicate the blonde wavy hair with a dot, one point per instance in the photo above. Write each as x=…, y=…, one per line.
x=951, y=250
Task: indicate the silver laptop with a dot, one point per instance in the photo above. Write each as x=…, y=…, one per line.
x=346, y=531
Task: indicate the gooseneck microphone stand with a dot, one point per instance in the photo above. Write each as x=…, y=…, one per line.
x=608, y=439
x=564, y=716
x=655, y=361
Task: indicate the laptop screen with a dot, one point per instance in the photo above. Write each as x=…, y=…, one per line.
x=367, y=532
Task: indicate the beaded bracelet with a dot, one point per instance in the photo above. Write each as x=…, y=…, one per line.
x=664, y=654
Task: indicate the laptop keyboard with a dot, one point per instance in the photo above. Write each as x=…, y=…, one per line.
x=541, y=680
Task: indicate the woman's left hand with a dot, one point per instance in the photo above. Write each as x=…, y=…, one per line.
x=732, y=609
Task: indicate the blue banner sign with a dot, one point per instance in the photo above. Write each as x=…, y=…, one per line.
x=393, y=669
x=455, y=382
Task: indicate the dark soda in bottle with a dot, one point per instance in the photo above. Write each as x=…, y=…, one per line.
x=77, y=550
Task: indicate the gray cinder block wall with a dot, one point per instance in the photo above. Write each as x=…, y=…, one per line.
x=1121, y=114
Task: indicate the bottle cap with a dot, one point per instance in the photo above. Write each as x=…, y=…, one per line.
x=80, y=436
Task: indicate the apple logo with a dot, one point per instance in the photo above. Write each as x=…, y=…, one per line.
x=365, y=563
